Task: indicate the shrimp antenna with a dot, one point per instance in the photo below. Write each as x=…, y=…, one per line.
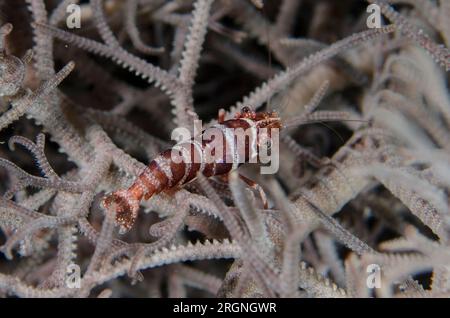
x=334, y=131
x=321, y=117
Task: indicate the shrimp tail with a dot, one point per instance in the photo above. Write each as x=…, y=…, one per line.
x=126, y=207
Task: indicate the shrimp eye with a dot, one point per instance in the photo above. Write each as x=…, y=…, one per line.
x=246, y=109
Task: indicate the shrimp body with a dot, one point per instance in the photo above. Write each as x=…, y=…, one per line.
x=196, y=155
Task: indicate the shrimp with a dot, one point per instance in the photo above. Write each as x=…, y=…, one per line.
x=164, y=173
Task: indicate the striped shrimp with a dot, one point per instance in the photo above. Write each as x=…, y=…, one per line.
x=164, y=173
